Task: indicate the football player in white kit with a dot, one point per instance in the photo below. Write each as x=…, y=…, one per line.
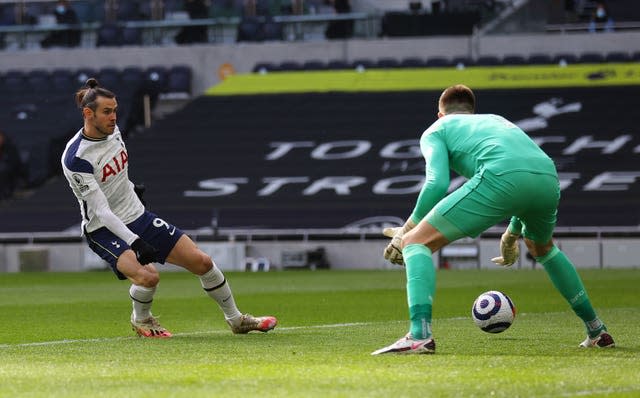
x=119, y=229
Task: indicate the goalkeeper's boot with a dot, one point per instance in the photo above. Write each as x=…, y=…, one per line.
x=247, y=323
x=602, y=340
x=409, y=345
x=149, y=327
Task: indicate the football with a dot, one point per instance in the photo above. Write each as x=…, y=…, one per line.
x=493, y=311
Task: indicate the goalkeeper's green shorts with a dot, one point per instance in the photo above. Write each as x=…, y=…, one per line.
x=488, y=199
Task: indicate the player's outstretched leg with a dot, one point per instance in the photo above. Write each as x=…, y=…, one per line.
x=217, y=287
x=567, y=281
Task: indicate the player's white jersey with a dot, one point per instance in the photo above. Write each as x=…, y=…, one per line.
x=91, y=164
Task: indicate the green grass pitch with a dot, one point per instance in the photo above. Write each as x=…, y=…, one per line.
x=67, y=335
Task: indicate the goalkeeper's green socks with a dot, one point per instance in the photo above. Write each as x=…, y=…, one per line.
x=565, y=278
x=421, y=283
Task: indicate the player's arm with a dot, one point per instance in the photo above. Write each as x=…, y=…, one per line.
x=434, y=189
x=437, y=176
x=509, y=246
x=97, y=201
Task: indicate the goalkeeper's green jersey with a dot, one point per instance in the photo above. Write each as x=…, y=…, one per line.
x=471, y=144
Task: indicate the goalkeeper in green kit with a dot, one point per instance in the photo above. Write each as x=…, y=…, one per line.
x=508, y=176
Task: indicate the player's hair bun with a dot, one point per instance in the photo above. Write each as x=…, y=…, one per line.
x=91, y=83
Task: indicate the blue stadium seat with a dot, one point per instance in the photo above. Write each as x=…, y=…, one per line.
x=462, y=62
x=336, y=64
x=617, y=56
x=539, y=59
x=514, y=59
x=314, y=65
x=387, y=63
x=362, y=63
x=591, y=58
x=290, y=66
x=62, y=80
x=488, y=60
x=272, y=30
x=565, y=58
x=262, y=67
x=437, y=62
x=109, y=35
x=131, y=36
x=132, y=75
x=13, y=82
x=38, y=80
x=81, y=75
x=249, y=29
x=156, y=79
x=179, y=80
x=110, y=78
x=412, y=62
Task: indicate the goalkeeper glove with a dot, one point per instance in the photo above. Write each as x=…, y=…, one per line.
x=145, y=253
x=393, y=251
x=509, y=249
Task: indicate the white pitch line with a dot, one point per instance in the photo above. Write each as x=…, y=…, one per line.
x=106, y=339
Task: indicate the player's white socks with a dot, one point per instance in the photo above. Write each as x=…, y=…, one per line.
x=142, y=298
x=216, y=286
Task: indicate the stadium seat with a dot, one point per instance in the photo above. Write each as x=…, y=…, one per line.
x=617, y=56
x=336, y=64
x=38, y=80
x=81, y=75
x=412, y=62
x=314, y=65
x=132, y=74
x=488, y=60
x=539, y=59
x=13, y=82
x=62, y=80
x=156, y=79
x=437, y=62
x=179, y=80
x=386, y=63
x=249, y=29
x=290, y=66
x=263, y=67
x=565, y=58
x=109, y=78
x=109, y=35
x=362, y=63
x=131, y=36
x=514, y=60
x=272, y=30
x=591, y=58
x=462, y=62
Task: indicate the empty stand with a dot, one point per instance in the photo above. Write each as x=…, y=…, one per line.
x=591, y=58
x=539, y=59
x=565, y=58
x=387, y=63
x=179, y=81
x=617, y=57
x=412, y=62
x=514, y=60
x=314, y=65
x=438, y=62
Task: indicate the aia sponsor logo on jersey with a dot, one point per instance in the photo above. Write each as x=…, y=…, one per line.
x=116, y=165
